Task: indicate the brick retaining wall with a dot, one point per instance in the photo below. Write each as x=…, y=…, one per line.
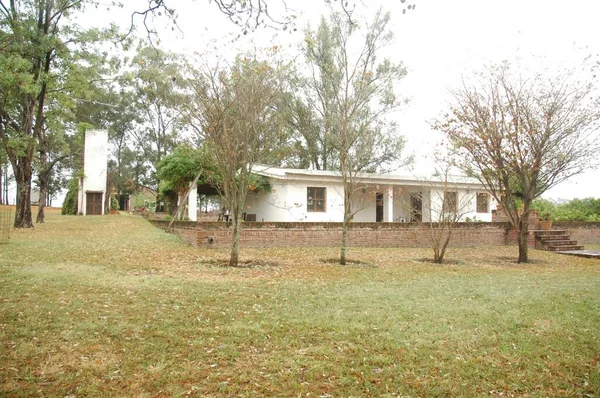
x=187, y=230
x=512, y=238
x=259, y=234
x=270, y=234
x=361, y=234
x=581, y=231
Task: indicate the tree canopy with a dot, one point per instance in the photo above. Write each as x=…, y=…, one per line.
x=521, y=136
x=236, y=113
x=340, y=112
x=46, y=60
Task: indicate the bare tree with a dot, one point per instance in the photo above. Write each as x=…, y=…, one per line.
x=346, y=99
x=235, y=113
x=438, y=206
x=521, y=136
x=247, y=14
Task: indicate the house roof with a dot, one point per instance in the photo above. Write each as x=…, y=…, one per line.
x=366, y=178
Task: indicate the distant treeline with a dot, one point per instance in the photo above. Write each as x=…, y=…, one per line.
x=574, y=210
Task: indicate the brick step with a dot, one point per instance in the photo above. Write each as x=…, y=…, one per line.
x=551, y=232
x=555, y=238
x=565, y=248
x=565, y=242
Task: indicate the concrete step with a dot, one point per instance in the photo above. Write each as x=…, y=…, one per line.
x=565, y=248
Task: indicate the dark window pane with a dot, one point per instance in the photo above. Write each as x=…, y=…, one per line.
x=316, y=199
x=482, y=202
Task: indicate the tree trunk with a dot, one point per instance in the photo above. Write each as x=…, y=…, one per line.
x=6, y=200
x=235, y=244
x=345, y=226
x=42, y=203
x=344, y=241
x=523, y=234
x=440, y=257
x=1, y=186
x=43, y=176
x=23, y=211
x=5, y=187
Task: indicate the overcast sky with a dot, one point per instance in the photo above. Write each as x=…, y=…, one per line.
x=440, y=42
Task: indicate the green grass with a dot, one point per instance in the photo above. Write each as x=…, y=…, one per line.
x=97, y=306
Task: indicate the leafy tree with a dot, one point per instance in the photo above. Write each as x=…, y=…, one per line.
x=44, y=57
x=69, y=206
x=342, y=110
x=155, y=80
x=543, y=207
x=235, y=112
x=51, y=149
x=183, y=167
x=587, y=209
x=521, y=136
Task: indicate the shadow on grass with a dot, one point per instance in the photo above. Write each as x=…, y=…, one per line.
x=429, y=260
x=336, y=261
x=512, y=260
x=242, y=264
x=497, y=261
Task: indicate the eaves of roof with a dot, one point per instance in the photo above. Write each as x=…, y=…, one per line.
x=366, y=178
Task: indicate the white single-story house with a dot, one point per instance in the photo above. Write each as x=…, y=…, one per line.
x=299, y=195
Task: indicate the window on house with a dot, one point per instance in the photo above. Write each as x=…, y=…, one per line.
x=482, y=202
x=450, y=202
x=316, y=199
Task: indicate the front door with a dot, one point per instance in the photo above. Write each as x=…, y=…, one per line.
x=416, y=207
x=379, y=207
x=93, y=203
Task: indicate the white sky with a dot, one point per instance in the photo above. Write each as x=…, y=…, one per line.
x=440, y=41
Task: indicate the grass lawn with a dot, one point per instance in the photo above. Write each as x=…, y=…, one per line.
x=100, y=306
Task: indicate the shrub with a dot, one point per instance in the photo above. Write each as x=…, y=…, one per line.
x=69, y=206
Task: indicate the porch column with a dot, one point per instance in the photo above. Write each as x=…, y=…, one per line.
x=389, y=205
x=193, y=203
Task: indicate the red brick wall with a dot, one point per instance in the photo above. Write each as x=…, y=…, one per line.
x=258, y=234
x=511, y=238
x=187, y=230
x=361, y=234
x=581, y=231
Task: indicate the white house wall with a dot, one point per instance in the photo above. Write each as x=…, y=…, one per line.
x=287, y=203
x=365, y=203
x=467, y=204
